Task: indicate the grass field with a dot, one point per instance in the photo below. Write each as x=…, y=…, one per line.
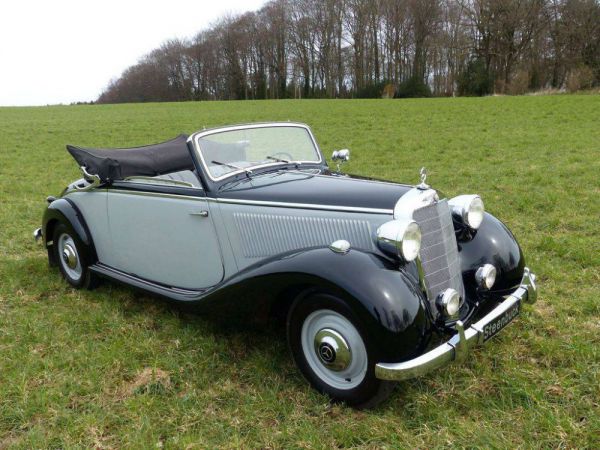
x=117, y=368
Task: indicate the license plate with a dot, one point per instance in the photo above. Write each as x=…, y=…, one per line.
x=500, y=322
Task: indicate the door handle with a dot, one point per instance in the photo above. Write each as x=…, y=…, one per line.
x=199, y=213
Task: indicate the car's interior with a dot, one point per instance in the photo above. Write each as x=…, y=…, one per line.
x=213, y=153
x=183, y=176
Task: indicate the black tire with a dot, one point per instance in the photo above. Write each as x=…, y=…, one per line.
x=80, y=276
x=365, y=391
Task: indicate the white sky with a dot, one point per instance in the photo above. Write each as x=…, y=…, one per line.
x=62, y=51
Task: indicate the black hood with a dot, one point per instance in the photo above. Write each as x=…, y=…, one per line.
x=316, y=187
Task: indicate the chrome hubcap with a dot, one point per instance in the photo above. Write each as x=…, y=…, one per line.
x=332, y=349
x=69, y=257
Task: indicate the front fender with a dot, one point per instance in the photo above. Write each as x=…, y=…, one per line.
x=384, y=296
x=492, y=243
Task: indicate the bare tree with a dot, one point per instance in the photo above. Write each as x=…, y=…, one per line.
x=337, y=48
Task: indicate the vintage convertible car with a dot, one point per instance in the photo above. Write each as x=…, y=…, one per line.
x=377, y=281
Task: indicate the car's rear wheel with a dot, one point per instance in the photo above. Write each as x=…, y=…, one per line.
x=333, y=352
x=72, y=257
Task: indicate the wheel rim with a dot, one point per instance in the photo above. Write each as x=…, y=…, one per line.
x=69, y=258
x=334, y=349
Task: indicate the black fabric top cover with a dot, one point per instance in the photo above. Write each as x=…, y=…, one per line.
x=118, y=163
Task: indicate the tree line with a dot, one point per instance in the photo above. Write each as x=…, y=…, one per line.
x=370, y=48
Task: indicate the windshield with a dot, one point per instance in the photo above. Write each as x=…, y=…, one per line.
x=225, y=152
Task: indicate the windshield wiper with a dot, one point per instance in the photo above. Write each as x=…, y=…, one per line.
x=278, y=159
x=218, y=163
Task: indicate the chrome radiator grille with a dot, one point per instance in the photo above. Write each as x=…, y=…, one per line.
x=439, y=252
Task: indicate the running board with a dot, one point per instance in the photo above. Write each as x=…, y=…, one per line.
x=178, y=294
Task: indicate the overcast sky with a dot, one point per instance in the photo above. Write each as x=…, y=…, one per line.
x=62, y=51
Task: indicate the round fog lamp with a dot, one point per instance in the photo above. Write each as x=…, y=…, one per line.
x=486, y=276
x=449, y=302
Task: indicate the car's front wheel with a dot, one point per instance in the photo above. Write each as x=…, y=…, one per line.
x=332, y=351
x=72, y=257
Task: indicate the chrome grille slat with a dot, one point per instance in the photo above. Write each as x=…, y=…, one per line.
x=439, y=251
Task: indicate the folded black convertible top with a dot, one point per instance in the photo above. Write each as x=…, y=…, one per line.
x=118, y=163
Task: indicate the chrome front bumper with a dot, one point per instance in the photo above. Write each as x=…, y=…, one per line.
x=457, y=348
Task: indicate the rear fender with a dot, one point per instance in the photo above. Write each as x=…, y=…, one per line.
x=64, y=210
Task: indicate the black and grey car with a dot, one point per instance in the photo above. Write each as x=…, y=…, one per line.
x=378, y=281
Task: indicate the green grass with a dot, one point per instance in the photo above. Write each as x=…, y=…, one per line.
x=117, y=368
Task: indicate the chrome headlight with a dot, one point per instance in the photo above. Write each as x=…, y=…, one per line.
x=468, y=209
x=400, y=238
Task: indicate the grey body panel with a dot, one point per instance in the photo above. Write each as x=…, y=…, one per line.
x=258, y=232
x=155, y=237
x=92, y=205
x=167, y=239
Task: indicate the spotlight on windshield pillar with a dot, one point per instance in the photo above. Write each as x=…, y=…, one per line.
x=340, y=157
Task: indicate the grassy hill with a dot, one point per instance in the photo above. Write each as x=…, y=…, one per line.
x=117, y=368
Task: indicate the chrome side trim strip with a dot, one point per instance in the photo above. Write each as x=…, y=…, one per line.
x=236, y=201
x=303, y=206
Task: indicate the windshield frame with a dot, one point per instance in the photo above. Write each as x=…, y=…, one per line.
x=195, y=139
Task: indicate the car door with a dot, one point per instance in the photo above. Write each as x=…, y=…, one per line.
x=163, y=233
